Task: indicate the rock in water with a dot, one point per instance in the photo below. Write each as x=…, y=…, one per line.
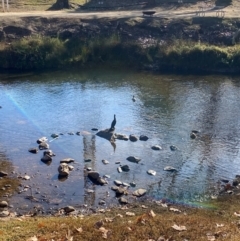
x=107, y=134
x=134, y=159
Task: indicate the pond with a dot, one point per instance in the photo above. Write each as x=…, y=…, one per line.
x=167, y=109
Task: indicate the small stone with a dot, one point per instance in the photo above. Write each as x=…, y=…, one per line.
x=117, y=182
x=101, y=202
x=173, y=148
x=143, y=138
x=88, y=160
x=3, y=174
x=46, y=158
x=89, y=169
x=125, y=184
x=49, y=152
x=26, y=177
x=33, y=150
x=107, y=176
x=119, y=169
x=69, y=209
x=169, y=168
x=118, y=162
x=193, y=135
x=156, y=147
x=78, y=133
x=42, y=139
x=43, y=146
x=133, y=138
x=132, y=184
x=125, y=168
x=70, y=167
x=133, y=159
x=123, y=200
x=3, y=204
x=105, y=162
x=151, y=172
x=4, y=214
x=70, y=133
x=54, y=135
x=139, y=192
x=94, y=129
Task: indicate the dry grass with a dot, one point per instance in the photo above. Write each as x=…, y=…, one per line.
x=218, y=223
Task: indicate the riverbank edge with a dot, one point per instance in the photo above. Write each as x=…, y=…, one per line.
x=178, y=56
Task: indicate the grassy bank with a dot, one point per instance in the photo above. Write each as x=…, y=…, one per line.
x=47, y=53
x=218, y=221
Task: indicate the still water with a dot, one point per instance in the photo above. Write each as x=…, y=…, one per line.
x=166, y=109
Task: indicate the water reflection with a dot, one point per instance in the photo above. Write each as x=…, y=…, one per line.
x=166, y=109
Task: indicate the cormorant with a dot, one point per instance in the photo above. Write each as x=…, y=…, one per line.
x=113, y=122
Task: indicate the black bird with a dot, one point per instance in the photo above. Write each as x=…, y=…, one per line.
x=113, y=122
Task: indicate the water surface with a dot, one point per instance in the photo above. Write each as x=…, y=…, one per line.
x=166, y=109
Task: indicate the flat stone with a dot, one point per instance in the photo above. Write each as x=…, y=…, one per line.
x=134, y=159
x=169, y=168
x=33, y=150
x=143, y=138
x=87, y=160
x=67, y=160
x=151, y=172
x=139, y=192
x=105, y=162
x=117, y=182
x=156, y=147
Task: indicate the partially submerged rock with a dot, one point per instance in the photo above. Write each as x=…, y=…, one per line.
x=133, y=138
x=139, y=192
x=143, y=138
x=134, y=159
x=43, y=146
x=105, y=162
x=63, y=169
x=49, y=153
x=106, y=134
x=33, y=150
x=42, y=139
x=95, y=178
x=156, y=147
x=169, y=168
x=151, y=172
